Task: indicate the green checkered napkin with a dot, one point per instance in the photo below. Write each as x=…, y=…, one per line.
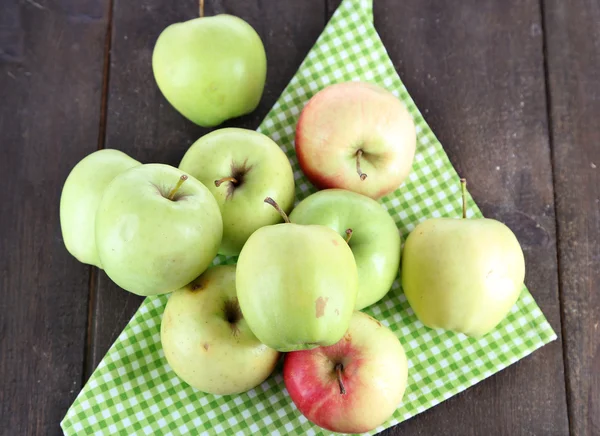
x=134, y=391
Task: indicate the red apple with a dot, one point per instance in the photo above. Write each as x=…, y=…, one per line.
x=356, y=136
x=354, y=385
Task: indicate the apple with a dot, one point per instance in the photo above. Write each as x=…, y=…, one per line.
x=211, y=68
x=157, y=229
x=372, y=236
x=356, y=136
x=296, y=285
x=353, y=386
x=240, y=168
x=207, y=341
x=80, y=197
x=462, y=274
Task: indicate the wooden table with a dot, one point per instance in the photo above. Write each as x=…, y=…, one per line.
x=511, y=88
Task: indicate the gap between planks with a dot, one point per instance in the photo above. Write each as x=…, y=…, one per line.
x=90, y=336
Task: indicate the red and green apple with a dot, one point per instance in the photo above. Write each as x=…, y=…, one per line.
x=356, y=136
x=354, y=385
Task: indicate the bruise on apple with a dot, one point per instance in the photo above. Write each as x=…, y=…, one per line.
x=168, y=321
x=320, y=304
x=197, y=285
x=375, y=320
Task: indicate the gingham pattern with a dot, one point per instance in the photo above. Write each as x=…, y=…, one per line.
x=133, y=390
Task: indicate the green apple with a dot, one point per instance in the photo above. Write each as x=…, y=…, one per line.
x=371, y=232
x=210, y=69
x=296, y=285
x=207, y=341
x=80, y=197
x=462, y=274
x=241, y=167
x=157, y=229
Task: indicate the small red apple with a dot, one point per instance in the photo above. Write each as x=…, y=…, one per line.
x=354, y=385
x=356, y=136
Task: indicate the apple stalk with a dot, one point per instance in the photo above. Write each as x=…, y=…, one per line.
x=338, y=371
x=362, y=175
x=201, y=8
x=463, y=188
x=348, y=235
x=273, y=203
x=173, y=191
x=226, y=179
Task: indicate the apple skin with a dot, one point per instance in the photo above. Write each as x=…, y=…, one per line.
x=80, y=197
x=210, y=69
x=262, y=169
x=347, y=117
x=296, y=285
x=149, y=244
x=374, y=375
x=375, y=240
x=206, y=340
x=462, y=275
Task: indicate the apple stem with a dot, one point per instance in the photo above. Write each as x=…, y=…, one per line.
x=273, y=203
x=201, y=8
x=463, y=187
x=173, y=191
x=362, y=175
x=348, y=235
x=225, y=179
x=338, y=370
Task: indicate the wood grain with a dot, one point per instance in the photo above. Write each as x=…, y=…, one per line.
x=474, y=68
x=142, y=123
x=476, y=71
x=573, y=58
x=51, y=56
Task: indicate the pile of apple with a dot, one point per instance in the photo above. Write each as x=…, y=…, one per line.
x=301, y=279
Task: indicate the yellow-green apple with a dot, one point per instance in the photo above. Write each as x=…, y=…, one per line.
x=462, y=274
x=207, y=341
x=157, y=229
x=356, y=136
x=354, y=385
x=296, y=285
x=210, y=69
x=241, y=167
x=370, y=231
x=80, y=197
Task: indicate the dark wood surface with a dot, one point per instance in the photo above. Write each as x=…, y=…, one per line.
x=573, y=58
x=511, y=88
x=483, y=93
x=51, y=60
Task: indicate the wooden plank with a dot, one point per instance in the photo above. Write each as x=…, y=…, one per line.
x=573, y=60
x=142, y=123
x=51, y=59
x=476, y=71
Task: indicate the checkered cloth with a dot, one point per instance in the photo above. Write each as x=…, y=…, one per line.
x=134, y=391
